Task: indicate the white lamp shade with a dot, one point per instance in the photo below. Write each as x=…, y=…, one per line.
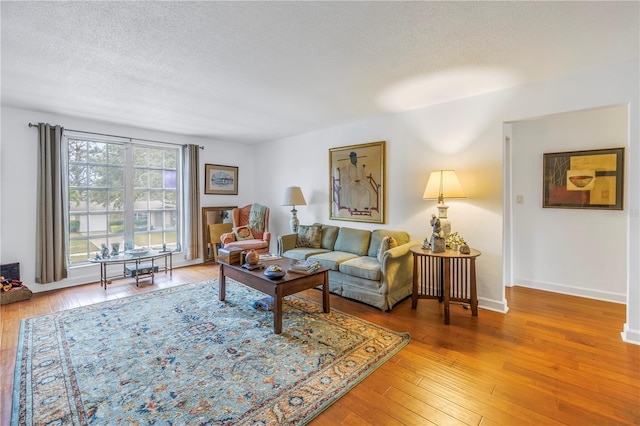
x=293, y=197
x=443, y=184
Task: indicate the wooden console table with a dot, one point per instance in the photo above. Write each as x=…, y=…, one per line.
x=135, y=260
x=449, y=277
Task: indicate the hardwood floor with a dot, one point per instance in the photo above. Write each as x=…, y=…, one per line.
x=553, y=359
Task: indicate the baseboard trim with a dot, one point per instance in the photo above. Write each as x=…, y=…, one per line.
x=573, y=291
x=493, y=305
x=630, y=336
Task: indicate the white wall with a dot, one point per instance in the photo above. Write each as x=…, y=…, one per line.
x=413, y=150
x=465, y=135
x=18, y=157
x=572, y=251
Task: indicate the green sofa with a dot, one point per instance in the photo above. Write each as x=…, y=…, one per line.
x=355, y=272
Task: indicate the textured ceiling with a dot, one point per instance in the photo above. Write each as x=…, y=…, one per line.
x=257, y=71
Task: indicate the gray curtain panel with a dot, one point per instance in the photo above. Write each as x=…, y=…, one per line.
x=191, y=164
x=51, y=247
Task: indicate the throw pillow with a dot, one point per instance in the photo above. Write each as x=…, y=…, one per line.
x=309, y=236
x=386, y=244
x=243, y=233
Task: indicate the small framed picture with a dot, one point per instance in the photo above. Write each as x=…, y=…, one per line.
x=222, y=180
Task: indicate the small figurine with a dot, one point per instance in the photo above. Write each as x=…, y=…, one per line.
x=426, y=244
x=438, y=244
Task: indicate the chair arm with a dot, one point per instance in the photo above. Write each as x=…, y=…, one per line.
x=228, y=237
x=266, y=236
x=397, y=266
x=399, y=251
x=286, y=242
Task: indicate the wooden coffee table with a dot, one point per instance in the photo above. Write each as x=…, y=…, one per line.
x=291, y=283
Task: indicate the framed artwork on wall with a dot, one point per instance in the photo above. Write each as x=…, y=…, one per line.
x=592, y=179
x=357, y=182
x=221, y=180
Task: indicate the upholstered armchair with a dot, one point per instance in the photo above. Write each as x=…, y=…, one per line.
x=250, y=229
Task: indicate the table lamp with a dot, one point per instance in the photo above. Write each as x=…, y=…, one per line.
x=443, y=184
x=293, y=197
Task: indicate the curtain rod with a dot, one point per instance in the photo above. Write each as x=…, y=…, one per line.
x=121, y=137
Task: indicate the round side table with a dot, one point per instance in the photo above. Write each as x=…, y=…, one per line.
x=449, y=277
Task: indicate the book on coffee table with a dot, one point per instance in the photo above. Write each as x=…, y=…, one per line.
x=270, y=256
x=305, y=266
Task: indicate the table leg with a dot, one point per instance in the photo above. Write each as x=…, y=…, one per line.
x=277, y=312
x=447, y=290
x=474, y=292
x=222, y=283
x=103, y=275
x=325, y=294
x=153, y=275
x=137, y=269
x=165, y=265
x=414, y=293
x=441, y=263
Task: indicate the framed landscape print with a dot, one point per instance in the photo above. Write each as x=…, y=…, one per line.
x=220, y=179
x=357, y=182
x=591, y=179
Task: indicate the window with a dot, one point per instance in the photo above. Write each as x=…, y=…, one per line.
x=123, y=194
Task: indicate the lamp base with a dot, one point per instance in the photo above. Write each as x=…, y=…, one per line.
x=442, y=210
x=294, y=222
x=445, y=224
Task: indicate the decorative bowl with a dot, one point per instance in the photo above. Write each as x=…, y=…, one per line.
x=138, y=251
x=274, y=275
x=580, y=181
x=274, y=272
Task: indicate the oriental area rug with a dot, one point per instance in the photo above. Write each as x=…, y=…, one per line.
x=180, y=356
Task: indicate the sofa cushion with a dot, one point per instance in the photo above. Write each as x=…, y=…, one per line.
x=301, y=253
x=309, y=236
x=377, y=235
x=329, y=235
x=259, y=245
x=354, y=241
x=364, y=267
x=332, y=259
x=386, y=244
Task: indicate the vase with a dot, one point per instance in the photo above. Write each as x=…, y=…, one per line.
x=115, y=249
x=252, y=257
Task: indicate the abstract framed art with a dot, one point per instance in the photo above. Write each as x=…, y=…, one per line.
x=592, y=179
x=221, y=180
x=357, y=182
